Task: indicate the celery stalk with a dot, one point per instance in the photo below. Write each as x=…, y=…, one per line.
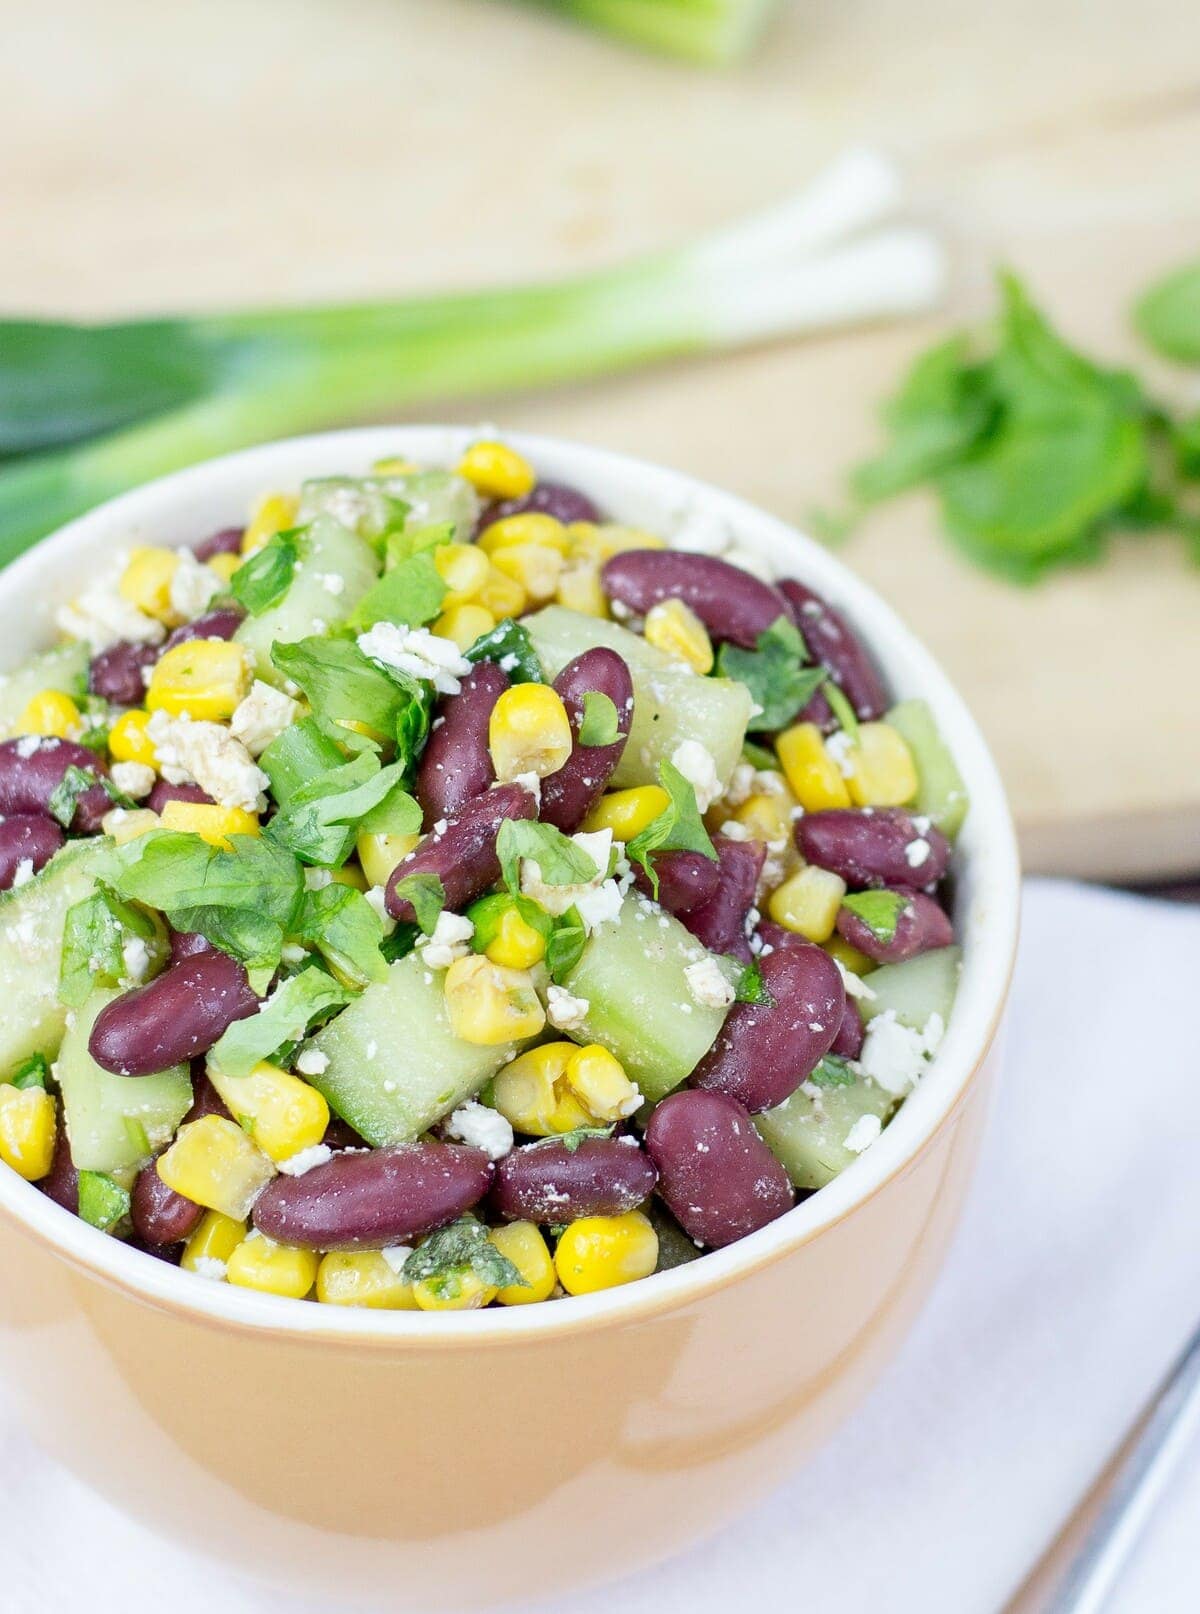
x=711, y=32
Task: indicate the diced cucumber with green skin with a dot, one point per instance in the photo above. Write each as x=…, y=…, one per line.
x=631, y=972
x=915, y=988
x=115, y=1121
x=807, y=1132
x=31, y=933
x=64, y=668
x=369, y=505
x=327, y=551
x=942, y=795
x=670, y=703
x=395, y=1067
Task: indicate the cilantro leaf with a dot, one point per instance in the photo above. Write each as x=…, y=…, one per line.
x=264, y=577
x=489, y=913
x=428, y=897
x=282, y=1020
x=773, y=674
x=406, y=542
x=464, y=1246
x=1168, y=315
x=749, y=986
x=344, y=928
x=566, y=944
x=323, y=816
x=841, y=708
x=560, y=861
x=31, y=1072
x=510, y=647
x=76, y=782
x=296, y=755
x=760, y=757
x=879, y=910
x=599, y=725
x=343, y=686
x=678, y=828
x=94, y=936
x=832, y=1071
x=102, y=1202
x=571, y=1140
x=411, y=593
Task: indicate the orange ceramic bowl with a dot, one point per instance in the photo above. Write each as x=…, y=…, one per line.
x=469, y=1459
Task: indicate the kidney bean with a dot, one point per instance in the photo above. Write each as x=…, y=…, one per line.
x=686, y=880
x=869, y=846
x=220, y=624
x=546, y=1182
x=556, y=499
x=340, y=1135
x=173, y=1018
x=463, y=856
x=837, y=648
x=849, y=1040
x=456, y=765
x=187, y=943
x=226, y=542
x=170, y=1253
x=921, y=925
x=116, y=673
x=61, y=1183
x=31, y=768
x=717, y=1176
x=765, y=1050
x=26, y=838
x=162, y=793
x=731, y=603
x=205, y=1098
x=369, y=1201
x=568, y=795
x=720, y=923
x=159, y=1214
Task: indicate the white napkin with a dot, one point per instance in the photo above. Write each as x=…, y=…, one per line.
x=1073, y=1282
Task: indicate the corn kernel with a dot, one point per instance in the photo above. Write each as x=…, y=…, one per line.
x=525, y=1247
x=502, y=596
x=535, y=567
x=214, y=1238
x=464, y=624
x=601, y=541
x=349, y=874
x=50, y=713
x=464, y=570
x=531, y=527
x=598, y=1080
x=214, y=1163
x=808, y=903
x=394, y=465
x=579, y=588
x=128, y=740
x=362, y=1278
x=202, y=678
x=224, y=565
x=275, y=512
x=488, y=1004
x=848, y=957
x=883, y=773
x=600, y=1252
x=282, y=1113
x=460, y=1289
x=532, y=1095
x=516, y=944
x=275, y=1269
x=379, y=854
x=814, y=777
x=27, y=1130
x=529, y=732
x=674, y=627
x=212, y=823
x=497, y=471
x=146, y=582
x=125, y=824
x=627, y=812
x=768, y=818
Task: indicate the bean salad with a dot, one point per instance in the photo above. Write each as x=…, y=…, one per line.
x=436, y=894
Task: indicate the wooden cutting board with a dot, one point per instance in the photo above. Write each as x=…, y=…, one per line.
x=156, y=157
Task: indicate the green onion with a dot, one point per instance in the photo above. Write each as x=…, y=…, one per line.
x=712, y=32
x=89, y=411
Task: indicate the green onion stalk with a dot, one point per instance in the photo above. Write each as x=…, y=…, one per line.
x=88, y=411
x=713, y=33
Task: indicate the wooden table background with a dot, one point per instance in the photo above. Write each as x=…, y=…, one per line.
x=158, y=157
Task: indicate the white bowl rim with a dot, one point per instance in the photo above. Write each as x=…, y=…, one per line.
x=173, y=510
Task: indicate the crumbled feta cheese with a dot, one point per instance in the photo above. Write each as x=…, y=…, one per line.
x=532, y=783
x=317, y=879
x=207, y=1266
x=733, y=831
x=565, y=1012
x=862, y=1134
x=136, y=959
x=262, y=717
x=598, y=899
x=293, y=953
x=707, y=983
x=332, y=583
x=840, y=748
x=193, y=586
x=23, y=875
x=396, y=1255
x=102, y=615
x=695, y=763
x=482, y=1128
x=208, y=755
x=600, y=905
x=30, y=744
x=312, y=1062
x=896, y=1056
x=376, y=895
x=449, y=941
x=297, y=1164
x=855, y=986
x=134, y=779
x=417, y=652
x=916, y=853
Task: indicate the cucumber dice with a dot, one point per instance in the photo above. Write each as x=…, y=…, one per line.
x=916, y=988
x=807, y=1133
x=64, y=668
x=395, y=1067
x=942, y=795
x=373, y=505
x=640, y=1008
x=328, y=553
x=115, y=1121
x=670, y=703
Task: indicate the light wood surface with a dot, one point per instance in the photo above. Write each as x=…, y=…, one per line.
x=158, y=157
